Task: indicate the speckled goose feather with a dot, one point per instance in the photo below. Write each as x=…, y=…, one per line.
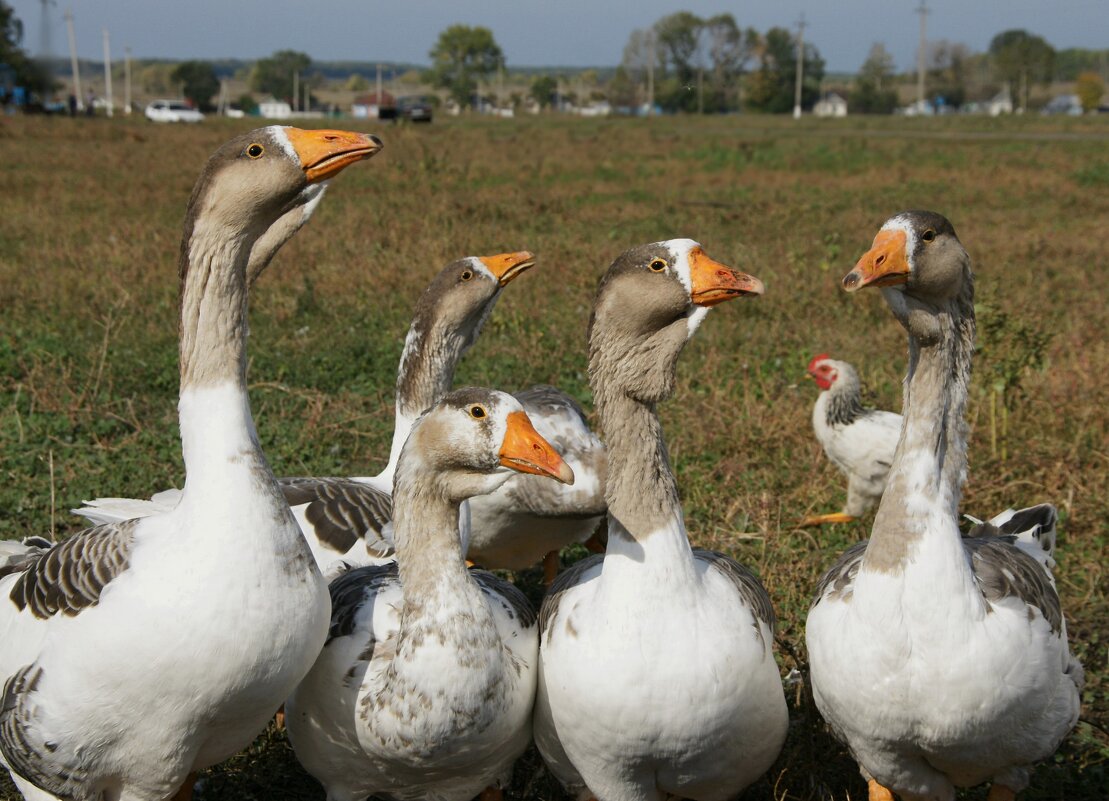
x=343, y=511
x=70, y=577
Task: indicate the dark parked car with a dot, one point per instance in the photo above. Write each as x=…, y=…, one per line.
x=414, y=108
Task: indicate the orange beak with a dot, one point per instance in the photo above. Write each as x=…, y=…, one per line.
x=524, y=451
x=715, y=283
x=885, y=264
x=507, y=266
x=324, y=154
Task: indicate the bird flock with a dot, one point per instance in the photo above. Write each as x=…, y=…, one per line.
x=162, y=640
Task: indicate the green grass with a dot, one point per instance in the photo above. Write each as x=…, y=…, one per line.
x=88, y=373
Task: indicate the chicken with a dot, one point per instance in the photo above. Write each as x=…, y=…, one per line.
x=857, y=440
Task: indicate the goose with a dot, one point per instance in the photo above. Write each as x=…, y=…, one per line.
x=940, y=660
x=857, y=440
x=528, y=519
x=426, y=684
x=657, y=676
x=347, y=519
x=100, y=699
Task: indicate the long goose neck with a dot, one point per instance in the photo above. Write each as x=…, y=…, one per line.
x=217, y=430
x=432, y=351
x=929, y=467
x=430, y=559
x=645, y=513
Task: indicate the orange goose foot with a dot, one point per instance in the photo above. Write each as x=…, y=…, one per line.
x=594, y=544
x=876, y=792
x=999, y=792
x=279, y=718
x=820, y=520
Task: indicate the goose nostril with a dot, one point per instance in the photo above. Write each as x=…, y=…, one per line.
x=878, y=262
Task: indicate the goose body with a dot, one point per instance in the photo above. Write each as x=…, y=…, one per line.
x=657, y=676
x=426, y=684
x=941, y=660
x=138, y=652
x=859, y=441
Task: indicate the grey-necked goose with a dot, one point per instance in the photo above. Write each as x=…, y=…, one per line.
x=857, y=440
x=347, y=518
x=426, y=684
x=100, y=698
x=657, y=672
x=941, y=660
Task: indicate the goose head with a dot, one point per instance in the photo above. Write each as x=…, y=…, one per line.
x=648, y=305
x=921, y=267
x=259, y=176
x=472, y=441
x=460, y=298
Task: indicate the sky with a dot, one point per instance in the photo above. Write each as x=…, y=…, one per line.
x=533, y=32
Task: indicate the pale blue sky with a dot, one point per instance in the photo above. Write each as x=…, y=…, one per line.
x=533, y=32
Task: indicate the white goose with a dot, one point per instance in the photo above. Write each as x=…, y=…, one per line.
x=100, y=699
x=426, y=684
x=347, y=518
x=940, y=660
x=657, y=674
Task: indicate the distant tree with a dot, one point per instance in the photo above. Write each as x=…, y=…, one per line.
x=357, y=83
x=873, y=92
x=622, y=90
x=678, y=36
x=198, y=82
x=948, y=70
x=543, y=88
x=1022, y=58
x=1073, y=61
x=247, y=104
x=1089, y=87
x=771, y=86
x=27, y=73
x=461, y=57
x=274, y=75
x=728, y=49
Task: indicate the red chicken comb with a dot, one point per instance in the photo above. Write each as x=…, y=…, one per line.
x=816, y=359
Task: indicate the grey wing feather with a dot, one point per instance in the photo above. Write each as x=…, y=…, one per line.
x=71, y=576
x=750, y=589
x=350, y=589
x=1002, y=570
x=544, y=397
x=839, y=580
x=566, y=580
x=515, y=602
x=37, y=760
x=343, y=511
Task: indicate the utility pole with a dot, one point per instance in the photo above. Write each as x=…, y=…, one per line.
x=127, y=80
x=922, y=9
x=296, y=88
x=380, y=102
x=73, y=59
x=800, y=67
x=108, y=73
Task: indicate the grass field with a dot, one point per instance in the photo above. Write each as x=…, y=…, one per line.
x=90, y=217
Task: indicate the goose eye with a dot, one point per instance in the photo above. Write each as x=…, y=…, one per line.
x=255, y=151
x=466, y=276
x=657, y=265
x=477, y=411
x=928, y=235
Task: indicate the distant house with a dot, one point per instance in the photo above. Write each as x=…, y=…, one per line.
x=1001, y=103
x=369, y=106
x=831, y=105
x=275, y=109
x=1069, y=105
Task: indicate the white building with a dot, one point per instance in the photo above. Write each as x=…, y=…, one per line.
x=275, y=109
x=831, y=105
